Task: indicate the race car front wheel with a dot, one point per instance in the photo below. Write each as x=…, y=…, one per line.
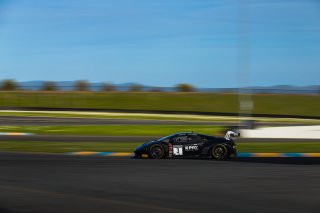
x=156, y=152
x=219, y=152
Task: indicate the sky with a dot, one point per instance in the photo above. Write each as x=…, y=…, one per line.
x=207, y=43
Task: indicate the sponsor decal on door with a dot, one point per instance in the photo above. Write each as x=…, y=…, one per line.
x=191, y=148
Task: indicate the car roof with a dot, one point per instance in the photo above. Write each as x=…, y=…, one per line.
x=182, y=133
x=190, y=133
x=187, y=133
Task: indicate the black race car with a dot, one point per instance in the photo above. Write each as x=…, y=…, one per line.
x=189, y=144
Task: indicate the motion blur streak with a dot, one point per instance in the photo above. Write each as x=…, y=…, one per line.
x=312, y=154
x=15, y=133
x=240, y=154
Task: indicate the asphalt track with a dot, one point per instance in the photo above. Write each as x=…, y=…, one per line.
x=54, y=183
x=49, y=121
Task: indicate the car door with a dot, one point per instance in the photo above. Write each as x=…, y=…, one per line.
x=184, y=145
x=178, y=142
x=193, y=145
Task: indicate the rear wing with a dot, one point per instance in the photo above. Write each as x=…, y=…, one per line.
x=231, y=135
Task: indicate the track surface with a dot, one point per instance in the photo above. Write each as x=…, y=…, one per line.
x=52, y=183
x=48, y=121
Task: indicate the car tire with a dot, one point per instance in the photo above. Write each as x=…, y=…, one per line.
x=219, y=152
x=157, y=151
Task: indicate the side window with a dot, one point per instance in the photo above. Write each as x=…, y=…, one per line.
x=190, y=138
x=182, y=139
x=197, y=138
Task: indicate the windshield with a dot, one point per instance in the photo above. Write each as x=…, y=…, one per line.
x=167, y=137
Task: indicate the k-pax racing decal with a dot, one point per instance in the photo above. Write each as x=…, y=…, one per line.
x=193, y=147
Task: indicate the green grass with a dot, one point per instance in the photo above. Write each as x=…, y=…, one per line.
x=275, y=104
x=144, y=116
x=63, y=147
x=114, y=130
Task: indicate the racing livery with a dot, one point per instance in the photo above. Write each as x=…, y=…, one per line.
x=189, y=144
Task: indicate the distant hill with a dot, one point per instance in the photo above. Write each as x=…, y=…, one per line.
x=278, y=89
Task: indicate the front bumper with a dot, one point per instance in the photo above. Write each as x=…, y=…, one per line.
x=140, y=154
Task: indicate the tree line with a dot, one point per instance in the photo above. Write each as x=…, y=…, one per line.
x=83, y=85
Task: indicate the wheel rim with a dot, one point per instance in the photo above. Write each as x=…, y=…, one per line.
x=219, y=152
x=156, y=152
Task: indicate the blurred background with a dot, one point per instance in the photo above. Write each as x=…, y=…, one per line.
x=98, y=77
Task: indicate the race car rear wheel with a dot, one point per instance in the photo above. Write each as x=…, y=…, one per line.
x=219, y=152
x=156, y=152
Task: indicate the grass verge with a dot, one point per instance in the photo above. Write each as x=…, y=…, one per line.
x=149, y=116
x=63, y=147
x=113, y=130
x=272, y=104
